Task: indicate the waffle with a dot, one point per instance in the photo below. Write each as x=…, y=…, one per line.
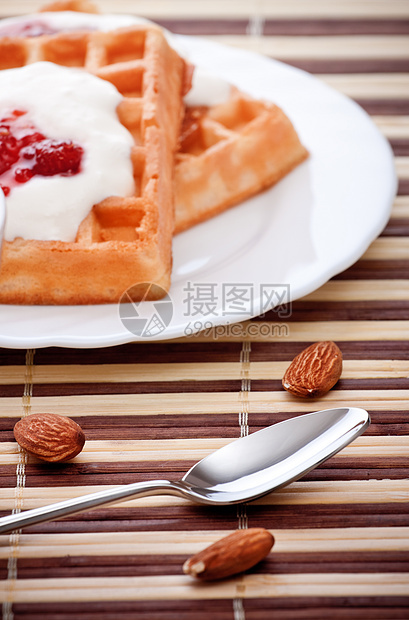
x=82, y=6
x=123, y=241
x=228, y=153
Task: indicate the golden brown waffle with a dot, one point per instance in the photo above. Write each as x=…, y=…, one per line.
x=123, y=241
x=230, y=152
x=82, y=6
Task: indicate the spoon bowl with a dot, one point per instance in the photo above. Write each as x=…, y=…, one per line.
x=241, y=471
x=274, y=456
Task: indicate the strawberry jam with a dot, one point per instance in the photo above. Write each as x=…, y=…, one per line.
x=25, y=152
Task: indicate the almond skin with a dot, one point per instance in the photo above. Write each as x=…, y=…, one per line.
x=314, y=371
x=50, y=437
x=230, y=555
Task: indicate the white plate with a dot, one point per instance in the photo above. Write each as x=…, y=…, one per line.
x=278, y=246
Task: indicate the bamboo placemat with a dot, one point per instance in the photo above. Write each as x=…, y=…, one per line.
x=152, y=410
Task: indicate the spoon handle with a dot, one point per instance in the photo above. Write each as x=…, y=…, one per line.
x=87, y=502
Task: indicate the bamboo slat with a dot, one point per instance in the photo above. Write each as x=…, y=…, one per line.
x=296, y=494
x=195, y=449
x=393, y=127
x=402, y=167
x=203, y=403
x=206, y=371
x=385, y=248
x=123, y=373
x=174, y=587
x=401, y=204
x=336, y=492
x=332, y=540
x=222, y=9
x=364, y=290
x=341, y=331
x=370, y=86
x=321, y=47
x=351, y=369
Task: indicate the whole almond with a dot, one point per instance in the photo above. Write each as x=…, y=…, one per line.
x=314, y=371
x=231, y=555
x=49, y=436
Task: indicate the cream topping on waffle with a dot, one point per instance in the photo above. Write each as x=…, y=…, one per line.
x=66, y=104
x=207, y=88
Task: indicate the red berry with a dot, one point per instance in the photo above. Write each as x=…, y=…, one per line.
x=31, y=29
x=28, y=152
x=5, y=189
x=9, y=150
x=20, y=143
x=31, y=138
x=22, y=175
x=53, y=157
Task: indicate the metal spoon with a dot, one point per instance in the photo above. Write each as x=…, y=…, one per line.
x=242, y=470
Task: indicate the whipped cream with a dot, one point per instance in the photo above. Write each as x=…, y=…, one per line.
x=207, y=88
x=66, y=104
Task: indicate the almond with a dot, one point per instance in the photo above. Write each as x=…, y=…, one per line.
x=49, y=437
x=230, y=555
x=314, y=371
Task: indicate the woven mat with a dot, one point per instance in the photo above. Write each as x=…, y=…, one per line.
x=152, y=410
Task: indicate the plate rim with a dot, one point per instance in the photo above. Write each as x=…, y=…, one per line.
x=124, y=337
